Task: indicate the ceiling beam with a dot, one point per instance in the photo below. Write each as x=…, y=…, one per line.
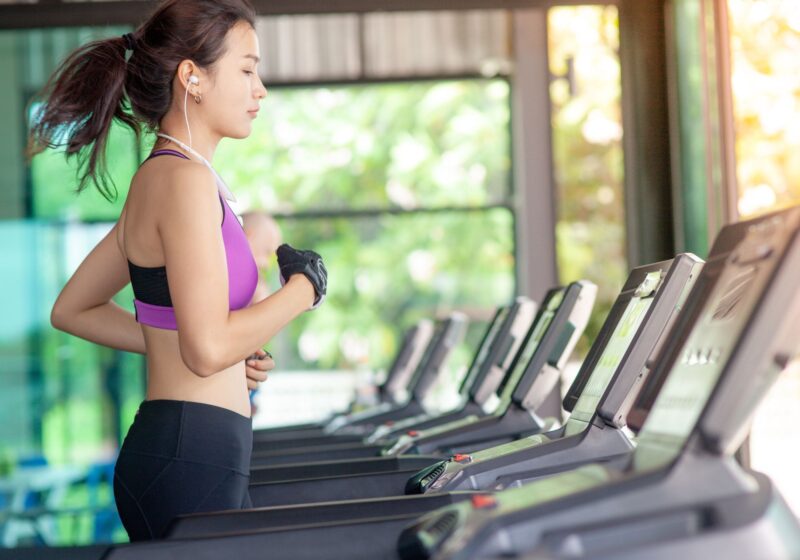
x=54, y=13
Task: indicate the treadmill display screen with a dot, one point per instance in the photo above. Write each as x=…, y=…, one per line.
x=703, y=356
x=434, y=343
x=529, y=348
x=399, y=373
x=486, y=345
x=608, y=363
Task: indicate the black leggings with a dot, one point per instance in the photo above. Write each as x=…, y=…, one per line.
x=181, y=457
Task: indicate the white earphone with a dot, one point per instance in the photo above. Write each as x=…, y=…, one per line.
x=192, y=80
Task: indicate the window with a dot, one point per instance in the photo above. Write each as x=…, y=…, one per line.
x=587, y=152
x=403, y=188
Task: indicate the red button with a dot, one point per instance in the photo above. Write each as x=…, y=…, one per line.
x=483, y=501
x=461, y=458
x=390, y=423
x=413, y=433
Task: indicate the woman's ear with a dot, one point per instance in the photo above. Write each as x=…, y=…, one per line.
x=188, y=73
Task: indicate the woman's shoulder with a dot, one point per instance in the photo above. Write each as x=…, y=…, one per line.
x=165, y=181
x=188, y=188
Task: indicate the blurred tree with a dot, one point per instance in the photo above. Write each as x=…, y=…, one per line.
x=765, y=40
x=587, y=151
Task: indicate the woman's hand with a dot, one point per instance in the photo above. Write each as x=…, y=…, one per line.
x=256, y=368
x=293, y=262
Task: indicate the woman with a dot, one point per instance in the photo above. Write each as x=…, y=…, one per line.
x=182, y=248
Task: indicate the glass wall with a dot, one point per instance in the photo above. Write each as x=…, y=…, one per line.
x=587, y=151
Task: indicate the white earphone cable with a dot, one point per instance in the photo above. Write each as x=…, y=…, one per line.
x=186, y=115
x=223, y=187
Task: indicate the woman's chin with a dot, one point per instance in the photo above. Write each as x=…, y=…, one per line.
x=241, y=132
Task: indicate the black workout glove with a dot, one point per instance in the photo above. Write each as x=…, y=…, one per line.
x=309, y=264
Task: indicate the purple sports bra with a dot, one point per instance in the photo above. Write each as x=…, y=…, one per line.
x=152, y=300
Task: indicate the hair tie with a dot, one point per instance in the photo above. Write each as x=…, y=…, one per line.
x=130, y=41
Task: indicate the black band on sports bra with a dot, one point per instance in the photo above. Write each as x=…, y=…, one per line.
x=166, y=152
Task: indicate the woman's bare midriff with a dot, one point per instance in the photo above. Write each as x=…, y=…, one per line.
x=169, y=378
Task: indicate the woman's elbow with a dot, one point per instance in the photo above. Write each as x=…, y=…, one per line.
x=201, y=358
x=59, y=318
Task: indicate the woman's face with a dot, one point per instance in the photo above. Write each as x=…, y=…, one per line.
x=233, y=100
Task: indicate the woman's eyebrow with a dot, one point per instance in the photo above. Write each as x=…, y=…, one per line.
x=254, y=57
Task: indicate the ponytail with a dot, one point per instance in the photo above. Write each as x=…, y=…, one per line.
x=96, y=85
x=80, y=101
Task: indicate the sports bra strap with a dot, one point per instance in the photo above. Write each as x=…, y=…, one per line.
x=166, y=152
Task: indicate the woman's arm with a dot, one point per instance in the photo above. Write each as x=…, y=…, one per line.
x=84, y=307
x=212, y=337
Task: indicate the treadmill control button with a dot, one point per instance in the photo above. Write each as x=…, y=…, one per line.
x=461, y=458
x=412, y=433
x=484, y=501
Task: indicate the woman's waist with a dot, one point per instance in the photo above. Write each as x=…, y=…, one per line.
x=227, y=388
x=168, y=377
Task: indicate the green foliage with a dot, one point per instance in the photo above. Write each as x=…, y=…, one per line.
x=587, y=153
x=389, y=271
x=55, y=180
x=393, y=146
x=411, y=145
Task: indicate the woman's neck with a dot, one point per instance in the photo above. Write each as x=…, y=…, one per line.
x=203, y=142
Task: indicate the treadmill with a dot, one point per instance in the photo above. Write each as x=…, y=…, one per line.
x=497, y=349
x=620, y=360
x=638, y=321
x=556, y=305
x=536, y=375
x=682, y=489
x=430, y=366
x=488, y=368
x=392, y=390
x=561, y=320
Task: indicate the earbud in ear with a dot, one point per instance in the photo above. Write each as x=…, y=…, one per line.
x=194, y=79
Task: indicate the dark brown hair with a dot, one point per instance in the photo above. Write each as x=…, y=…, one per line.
x=95, y=85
